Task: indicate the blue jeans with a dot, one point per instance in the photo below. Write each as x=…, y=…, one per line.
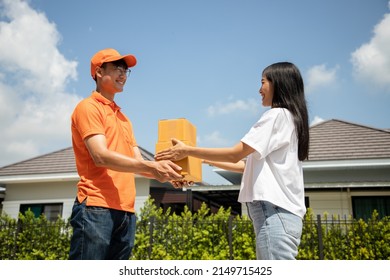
x=278, y=231
x=101, y=233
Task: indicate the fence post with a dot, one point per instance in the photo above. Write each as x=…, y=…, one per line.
x=189, y=199
x=151, y=229
x=320, y=240
x=230, y=236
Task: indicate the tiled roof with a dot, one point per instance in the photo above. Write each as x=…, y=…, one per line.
x=61, y=161
x=341, y=140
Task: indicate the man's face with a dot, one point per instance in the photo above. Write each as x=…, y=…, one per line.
x=113, y=76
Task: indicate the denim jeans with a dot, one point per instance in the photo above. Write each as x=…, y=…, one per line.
x=101, y=233
x=278, y=231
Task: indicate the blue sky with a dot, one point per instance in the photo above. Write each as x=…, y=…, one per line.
x=200, y=60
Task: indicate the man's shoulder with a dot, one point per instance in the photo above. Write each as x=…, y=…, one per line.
x=88, y=104
x=87, y=101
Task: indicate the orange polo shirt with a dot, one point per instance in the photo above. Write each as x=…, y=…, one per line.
x=101, y=186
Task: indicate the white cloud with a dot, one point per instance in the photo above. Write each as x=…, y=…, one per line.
x=251, y=106
x=213, y=139
x=371, y=62
x=320, y=76
x=316, y=120
x=35, y=108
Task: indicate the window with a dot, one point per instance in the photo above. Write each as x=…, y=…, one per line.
x=363, y=206
x=52, y=211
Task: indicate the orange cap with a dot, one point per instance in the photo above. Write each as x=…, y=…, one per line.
x=109, y=55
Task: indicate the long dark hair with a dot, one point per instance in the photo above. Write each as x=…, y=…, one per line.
x=289, y=93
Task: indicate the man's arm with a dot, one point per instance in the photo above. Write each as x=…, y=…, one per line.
x=162, y=171
x=138, y=156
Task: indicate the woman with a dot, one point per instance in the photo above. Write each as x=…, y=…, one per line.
x=270, y=155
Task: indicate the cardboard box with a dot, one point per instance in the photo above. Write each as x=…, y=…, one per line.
x=184, y=131
x=180, y=129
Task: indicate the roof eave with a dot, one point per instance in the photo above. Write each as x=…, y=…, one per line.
x=346, y=164
x=39, y=178
x=35, y=178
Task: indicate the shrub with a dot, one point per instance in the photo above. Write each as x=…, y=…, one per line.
x=201, y=236
x=31, y=238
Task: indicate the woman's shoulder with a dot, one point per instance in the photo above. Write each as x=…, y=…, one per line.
x=276, y=112
x=279, y=116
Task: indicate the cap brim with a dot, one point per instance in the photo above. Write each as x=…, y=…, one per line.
x=129, y=59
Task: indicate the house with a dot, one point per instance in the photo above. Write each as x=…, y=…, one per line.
x=47, y=184
x=348, y=171
x=347, y=174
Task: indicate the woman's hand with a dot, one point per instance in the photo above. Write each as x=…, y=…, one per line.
x=175, y=153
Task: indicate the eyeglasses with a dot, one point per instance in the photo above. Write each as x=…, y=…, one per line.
x=121, y=71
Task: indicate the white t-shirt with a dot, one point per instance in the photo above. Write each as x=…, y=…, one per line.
x=273, y=172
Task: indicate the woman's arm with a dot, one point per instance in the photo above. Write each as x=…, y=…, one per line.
x=180, y=150
x=234, y=167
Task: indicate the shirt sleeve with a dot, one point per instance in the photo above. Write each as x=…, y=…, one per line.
x=269, y=133
x=88, y=120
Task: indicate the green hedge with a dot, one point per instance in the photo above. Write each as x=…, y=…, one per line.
x=347, y=239
x=188, y=236
x=31, y=238
x=201, y=236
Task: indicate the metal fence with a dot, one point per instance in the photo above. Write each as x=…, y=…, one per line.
x=37, y=240
x=216, y=234
x=51, y=240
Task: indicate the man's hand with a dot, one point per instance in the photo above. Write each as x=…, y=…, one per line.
x=181, y=184
x=165, y=171
x=175, y=153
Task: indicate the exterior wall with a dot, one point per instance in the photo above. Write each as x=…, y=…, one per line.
x=143, y=191
x=244, y=209
x=329, y=202
x=338, y=202
x=42, y=193
x=56, y=192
